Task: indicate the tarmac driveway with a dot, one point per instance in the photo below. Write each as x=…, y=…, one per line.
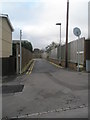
x=48, y=89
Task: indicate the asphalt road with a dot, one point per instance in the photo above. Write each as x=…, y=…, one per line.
x=49, y=91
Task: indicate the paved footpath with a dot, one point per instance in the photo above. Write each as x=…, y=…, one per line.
x=47, y=90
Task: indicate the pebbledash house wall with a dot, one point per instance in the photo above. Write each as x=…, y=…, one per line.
x=6, y=39
x=0, y=47
x=8, y=61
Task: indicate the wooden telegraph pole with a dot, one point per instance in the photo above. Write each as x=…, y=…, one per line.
x=67, y=19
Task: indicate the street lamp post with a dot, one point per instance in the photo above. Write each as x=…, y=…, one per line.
x=59, y=43
x=17, y=56
x=20, y=52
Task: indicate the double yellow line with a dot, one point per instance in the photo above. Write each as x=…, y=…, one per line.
x=55, y=65
x=30, y=69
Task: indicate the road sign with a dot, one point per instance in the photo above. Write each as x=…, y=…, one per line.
x=77, y=31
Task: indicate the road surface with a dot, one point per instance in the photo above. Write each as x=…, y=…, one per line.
x=46, y=90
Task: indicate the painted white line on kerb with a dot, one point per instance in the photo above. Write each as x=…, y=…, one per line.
x=51, y=111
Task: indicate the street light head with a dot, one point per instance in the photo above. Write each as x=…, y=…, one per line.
x=67, y=0
x=58, y=23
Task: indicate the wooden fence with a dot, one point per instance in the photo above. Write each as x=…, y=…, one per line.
x=8, y=66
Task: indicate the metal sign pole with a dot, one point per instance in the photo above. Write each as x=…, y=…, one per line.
x=77, y=32
x=78, y=53
x=60, y=44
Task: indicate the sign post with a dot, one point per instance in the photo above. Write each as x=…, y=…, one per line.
x=77, y=32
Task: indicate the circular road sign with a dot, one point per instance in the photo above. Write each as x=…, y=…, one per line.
x=77, y=31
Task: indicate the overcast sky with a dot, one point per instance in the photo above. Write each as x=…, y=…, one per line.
x=38, y=18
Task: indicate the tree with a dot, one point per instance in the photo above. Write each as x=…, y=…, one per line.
x=27, y=45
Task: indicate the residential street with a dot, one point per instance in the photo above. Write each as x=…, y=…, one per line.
x=46, y=90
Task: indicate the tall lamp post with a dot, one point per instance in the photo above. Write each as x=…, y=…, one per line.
x=59, y=43
x=20, y=52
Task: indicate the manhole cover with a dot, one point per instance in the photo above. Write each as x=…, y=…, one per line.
x=12, y=88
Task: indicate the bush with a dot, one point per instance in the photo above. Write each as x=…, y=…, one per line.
x=27, y=45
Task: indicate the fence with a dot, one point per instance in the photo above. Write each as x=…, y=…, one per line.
x=72, y=52
x=54, y=53
x=8, y=66
x=26, y=56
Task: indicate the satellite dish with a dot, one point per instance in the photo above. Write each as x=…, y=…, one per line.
x=77, y=31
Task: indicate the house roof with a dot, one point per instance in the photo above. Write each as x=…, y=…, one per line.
x=7, y=18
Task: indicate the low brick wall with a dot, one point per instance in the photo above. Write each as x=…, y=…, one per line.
x=71, y=65
x=63, y=63
x=54, y=61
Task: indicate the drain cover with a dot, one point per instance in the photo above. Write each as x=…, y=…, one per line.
x=12, y=88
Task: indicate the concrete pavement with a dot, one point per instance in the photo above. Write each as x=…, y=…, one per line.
x=48, y=88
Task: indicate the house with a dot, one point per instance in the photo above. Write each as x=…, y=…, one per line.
x=6, y=36
x=89, y=19
x=37, y=53
x=36, y=50
x=8, y=61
